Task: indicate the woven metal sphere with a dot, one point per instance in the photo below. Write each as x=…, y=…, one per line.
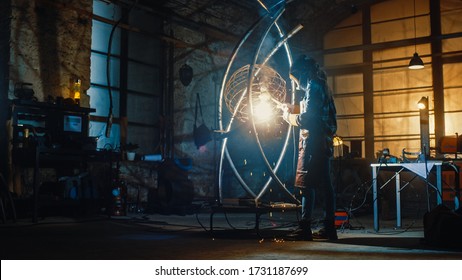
x=266, y=85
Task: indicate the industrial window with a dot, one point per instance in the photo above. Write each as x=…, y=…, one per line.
x=451, y=23
x=135, y=78
x=394, y=89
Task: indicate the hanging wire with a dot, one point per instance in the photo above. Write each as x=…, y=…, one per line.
x=415, y=32
x=108, y=71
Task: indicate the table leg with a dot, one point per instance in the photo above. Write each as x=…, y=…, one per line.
x=457, y=183
x=439, y=195
x=36, y=187
x=374, y=198
x=398, y=200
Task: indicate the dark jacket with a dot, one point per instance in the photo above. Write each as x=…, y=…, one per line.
x=319, y=114
x=317, y=122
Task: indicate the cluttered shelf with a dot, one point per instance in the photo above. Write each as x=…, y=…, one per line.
x=53, y=135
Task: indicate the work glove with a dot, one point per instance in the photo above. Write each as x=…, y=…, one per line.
x=288, y=116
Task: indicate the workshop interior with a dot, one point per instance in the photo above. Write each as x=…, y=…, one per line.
x=168, y=113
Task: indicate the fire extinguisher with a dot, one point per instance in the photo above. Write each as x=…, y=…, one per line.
x=119, y=198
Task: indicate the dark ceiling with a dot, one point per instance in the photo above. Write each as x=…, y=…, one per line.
x=219, y=18
x=228, y=20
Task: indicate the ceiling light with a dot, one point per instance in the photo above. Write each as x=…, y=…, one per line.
x=416, y=62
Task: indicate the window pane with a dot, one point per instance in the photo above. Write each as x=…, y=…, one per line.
x=352, y=83
x=400, y=29
x=351, y=105
x=451, y=16
x=452, y=74
x=453, y=98
x=397, y=126
x=143, y=78
x=100, y=38
x=142, y=109
x=452, y=45
x=403, y=102
x=402, y=78
x=98, y=70
x=394, y=20
x=343, y=58
x=453, y=123
x=344, y=37
x=144, y=48
x=99, y=99
x=350, y=127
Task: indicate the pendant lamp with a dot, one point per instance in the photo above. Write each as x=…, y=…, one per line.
x=416, y=62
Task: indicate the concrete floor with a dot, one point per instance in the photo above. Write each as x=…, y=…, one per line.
x=188, y=237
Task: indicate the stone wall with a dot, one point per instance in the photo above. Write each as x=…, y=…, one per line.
x=50, y=46
x=208, y=68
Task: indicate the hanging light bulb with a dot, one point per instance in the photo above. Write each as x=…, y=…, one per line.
x=423, y=103
x=416, y=62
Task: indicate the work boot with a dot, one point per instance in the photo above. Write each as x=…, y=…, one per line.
x=302, y=233
x=328, y=232
x=323, y=233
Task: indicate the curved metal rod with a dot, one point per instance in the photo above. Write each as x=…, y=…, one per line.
x=236, y=173
x=220, y=109
x=224, y=149
x=293, y=86
x=250, y=78
x=225, y=141
x=284, y=149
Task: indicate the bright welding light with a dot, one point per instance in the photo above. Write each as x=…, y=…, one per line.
x=265, y=96
x=264, y=111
